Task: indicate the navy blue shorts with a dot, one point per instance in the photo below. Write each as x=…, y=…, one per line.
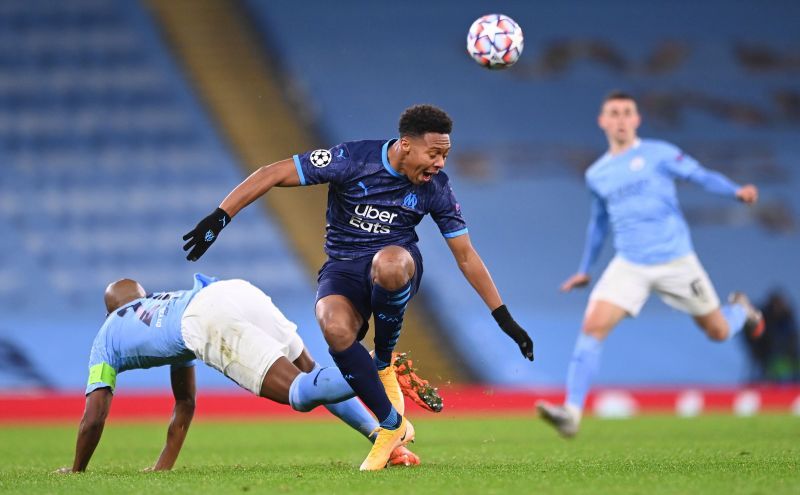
x=351, y=279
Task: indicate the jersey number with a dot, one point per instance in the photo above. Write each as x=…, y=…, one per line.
x=145, y=315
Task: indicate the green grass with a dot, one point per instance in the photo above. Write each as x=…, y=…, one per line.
x=652, y=455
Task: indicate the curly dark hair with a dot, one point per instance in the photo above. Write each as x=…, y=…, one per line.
x=420, y=119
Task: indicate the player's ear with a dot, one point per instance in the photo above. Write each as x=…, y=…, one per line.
x=405, y=144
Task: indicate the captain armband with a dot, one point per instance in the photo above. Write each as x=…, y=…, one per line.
x=103, y=373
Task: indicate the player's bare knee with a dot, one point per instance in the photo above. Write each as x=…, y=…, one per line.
x=717, y=333
x=714, y=326
x=597, y=328
x=598, y=332
x=339, y=336
x=392, y=267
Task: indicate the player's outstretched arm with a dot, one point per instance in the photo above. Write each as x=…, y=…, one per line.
x=98, y=403
x=183, y=389
x=687, y=168
x=475, y=272
x=199, y=239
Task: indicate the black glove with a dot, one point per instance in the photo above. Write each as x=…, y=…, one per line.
x=516, y=332
x=205, y=233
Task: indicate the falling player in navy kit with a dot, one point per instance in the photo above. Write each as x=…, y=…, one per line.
x=378, y=192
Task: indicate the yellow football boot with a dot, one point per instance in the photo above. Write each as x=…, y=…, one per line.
x=385, y=443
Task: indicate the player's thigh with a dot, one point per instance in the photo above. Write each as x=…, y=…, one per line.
x=339, y=320
x=601, y=317
x=237, y=348
x=258, y=308
x=684, y=285
x=623, y=285
x=278, y=380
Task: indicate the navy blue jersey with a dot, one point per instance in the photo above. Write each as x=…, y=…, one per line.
x=371, y=205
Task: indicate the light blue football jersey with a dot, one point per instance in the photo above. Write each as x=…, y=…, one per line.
x=142, y=334
x=634, y=193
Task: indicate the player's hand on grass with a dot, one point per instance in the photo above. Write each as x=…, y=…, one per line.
x=576, y=281
x=747, y=194
x=204, y=234
x=513, y=330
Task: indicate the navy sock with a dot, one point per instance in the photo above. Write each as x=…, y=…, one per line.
x=388, y=306
x=360, y=372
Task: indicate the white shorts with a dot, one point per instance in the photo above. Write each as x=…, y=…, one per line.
x=235, y=328
x=681, y=283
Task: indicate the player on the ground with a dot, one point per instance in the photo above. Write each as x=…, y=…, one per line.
x=378, y=192
x=633, y=193
x=230, y=325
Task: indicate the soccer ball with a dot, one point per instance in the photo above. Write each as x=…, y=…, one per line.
x=495, y=41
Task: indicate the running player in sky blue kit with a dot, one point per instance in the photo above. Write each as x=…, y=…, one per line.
x=230, y=325
x=633, y=193
x=377, y=194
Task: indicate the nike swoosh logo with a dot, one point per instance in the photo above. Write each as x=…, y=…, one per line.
x=316, y=377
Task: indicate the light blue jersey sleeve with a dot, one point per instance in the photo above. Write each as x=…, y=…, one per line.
x=596, y=233
x=682, y=166
x=102, y=367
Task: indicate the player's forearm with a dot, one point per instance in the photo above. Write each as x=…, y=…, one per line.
x=89, y=435
x=714, y=182
x=176, y=434
x=478, y=276
x=595, y=237
x=252, y=188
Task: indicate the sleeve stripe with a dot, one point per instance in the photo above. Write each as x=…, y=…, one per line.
x=455, y=233
x=296, y=159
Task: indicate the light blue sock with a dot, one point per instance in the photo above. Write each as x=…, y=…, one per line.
x=735, y=315
x=354, y=413
x=321, y=386
x=582, y=368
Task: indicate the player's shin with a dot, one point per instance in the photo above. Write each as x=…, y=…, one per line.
x=359, y=370
x=736, y=316
x=354, y=413
x=320, y=386
x=582, y=369
x=389, y=307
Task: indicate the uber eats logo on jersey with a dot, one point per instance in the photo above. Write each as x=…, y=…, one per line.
x=365, y=218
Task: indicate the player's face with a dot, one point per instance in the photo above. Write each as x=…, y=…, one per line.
x=425, y=156
x=620, y=120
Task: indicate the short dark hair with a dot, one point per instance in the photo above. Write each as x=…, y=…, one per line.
x=618, y=94
x=421, y=119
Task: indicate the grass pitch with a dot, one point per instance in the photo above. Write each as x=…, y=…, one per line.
x=653, y=455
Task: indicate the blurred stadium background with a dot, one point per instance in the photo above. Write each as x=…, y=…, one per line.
x=122, y=123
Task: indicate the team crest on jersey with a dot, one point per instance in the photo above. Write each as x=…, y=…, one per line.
x=410, y=201
x=637, y=164
x=320, y=158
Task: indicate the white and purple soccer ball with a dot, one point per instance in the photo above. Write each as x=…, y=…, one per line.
x=495, y=41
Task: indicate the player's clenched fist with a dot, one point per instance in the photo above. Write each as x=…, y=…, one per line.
x=204, y=234
x=747, y=194
x=513, y=330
